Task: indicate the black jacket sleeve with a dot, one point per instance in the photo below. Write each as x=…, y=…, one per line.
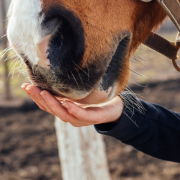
x=156, y=131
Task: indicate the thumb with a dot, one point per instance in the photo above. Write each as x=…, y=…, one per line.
x=109, y=112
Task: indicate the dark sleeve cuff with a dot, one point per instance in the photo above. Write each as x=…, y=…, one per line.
x=123, y=129
x=125, y=126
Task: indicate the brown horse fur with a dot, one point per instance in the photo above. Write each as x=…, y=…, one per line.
x=104, y=23
x=103, y=20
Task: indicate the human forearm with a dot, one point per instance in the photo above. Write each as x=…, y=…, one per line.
x=157, y=131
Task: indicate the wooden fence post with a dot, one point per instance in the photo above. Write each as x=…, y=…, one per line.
x=82, y=153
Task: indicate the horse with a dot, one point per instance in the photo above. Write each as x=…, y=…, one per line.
x=80, y=49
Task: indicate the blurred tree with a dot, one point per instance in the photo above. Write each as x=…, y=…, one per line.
x=4, y=46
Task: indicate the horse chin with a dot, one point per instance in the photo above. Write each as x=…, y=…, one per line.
x=96, y=97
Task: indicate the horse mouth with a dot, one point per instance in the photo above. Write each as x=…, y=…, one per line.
x=105, y=90
x=80, y=85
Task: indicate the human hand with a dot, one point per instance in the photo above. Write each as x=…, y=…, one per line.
x=69, y=112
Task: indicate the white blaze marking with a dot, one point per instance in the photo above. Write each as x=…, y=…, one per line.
x=24, y=30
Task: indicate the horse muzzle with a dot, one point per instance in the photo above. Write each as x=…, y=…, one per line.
x=52, y=44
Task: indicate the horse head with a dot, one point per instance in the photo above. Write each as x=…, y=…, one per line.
x=80, y=49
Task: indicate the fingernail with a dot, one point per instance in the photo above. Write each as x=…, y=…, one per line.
x=43, y=94
x=23, y=86
x=29, y=90
x=65, y=105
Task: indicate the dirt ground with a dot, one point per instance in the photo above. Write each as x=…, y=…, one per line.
x=28, y=147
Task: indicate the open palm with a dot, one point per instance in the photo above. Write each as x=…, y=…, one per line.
x=69, y=112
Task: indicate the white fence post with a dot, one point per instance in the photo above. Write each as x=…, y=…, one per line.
x=82, y=153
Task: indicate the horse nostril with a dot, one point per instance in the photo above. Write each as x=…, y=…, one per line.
x=67, y=44
x=61, y=45
x=49, y=25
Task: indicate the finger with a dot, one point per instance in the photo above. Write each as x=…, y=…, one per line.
x=34, y=92
x=39, y=105
x=108, y=113
x=57, y=107
x=53, y=108
x=91, y=116
x=24, y=86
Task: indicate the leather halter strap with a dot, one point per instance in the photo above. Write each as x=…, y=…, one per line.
x=161, y=45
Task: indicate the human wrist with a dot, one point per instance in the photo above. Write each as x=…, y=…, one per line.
x=115, y=110
x=120, y=107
